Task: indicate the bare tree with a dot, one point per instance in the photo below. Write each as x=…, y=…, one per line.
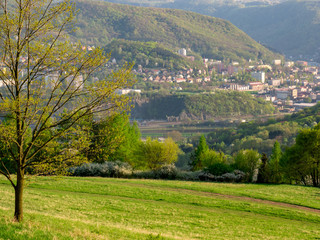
x=45, y=85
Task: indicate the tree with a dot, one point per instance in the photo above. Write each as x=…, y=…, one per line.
x=153, y=154
x=273, y=166
x=125, y=150
x=301, y=162
x=248, y=162
x=197, y=156
x=114, y=138
x=263, y=172
x=46, y=88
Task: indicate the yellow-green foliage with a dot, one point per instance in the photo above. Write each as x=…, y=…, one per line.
x=154, y=154
x=46, y=89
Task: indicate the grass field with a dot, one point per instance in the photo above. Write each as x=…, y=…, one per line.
x=102, y=208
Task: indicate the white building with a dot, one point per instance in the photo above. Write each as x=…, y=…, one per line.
x=259, y=76
x=183, y=52
x=277, y=62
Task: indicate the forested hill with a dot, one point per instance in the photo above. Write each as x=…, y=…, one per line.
x=289, y=26
x=200, y=106
x=100, y=22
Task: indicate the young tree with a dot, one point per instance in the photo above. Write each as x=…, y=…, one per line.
x=46, y=89
x=114, y=138
x=197, y=156
x=273, y=166
x=153, y=154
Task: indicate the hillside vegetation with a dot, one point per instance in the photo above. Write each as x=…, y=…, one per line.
x=100, y=22
x=201, y=106
x=261, y=136
x=148, y=54
x=101, y=208
x=291, y=27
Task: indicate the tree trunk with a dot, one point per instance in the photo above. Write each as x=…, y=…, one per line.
x=18, y=213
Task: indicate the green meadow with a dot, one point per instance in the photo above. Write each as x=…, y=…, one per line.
x=104, y=208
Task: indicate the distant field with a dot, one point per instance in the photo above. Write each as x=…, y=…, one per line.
x=102, y=208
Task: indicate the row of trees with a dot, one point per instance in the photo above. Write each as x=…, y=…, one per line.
x=299, y=163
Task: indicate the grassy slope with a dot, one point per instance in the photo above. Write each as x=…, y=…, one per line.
x=97, y=208
x=100, y=22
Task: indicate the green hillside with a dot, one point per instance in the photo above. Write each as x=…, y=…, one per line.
x=288, y=26
x=201, y=106
x=100, y=22
x=306, y=116
x=148, y=54
x=102, y=208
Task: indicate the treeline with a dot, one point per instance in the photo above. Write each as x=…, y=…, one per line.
x=299, y=163
x=117, y=151
x=148, y=54
x=92, y=140
x=254, y=135
x=200, y=106
x=261, y=136
x=112, y=147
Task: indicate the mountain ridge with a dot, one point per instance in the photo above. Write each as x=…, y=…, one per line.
x=291, y=27
x=101, y=22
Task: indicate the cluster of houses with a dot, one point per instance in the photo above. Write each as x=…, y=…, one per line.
x=186, y=75
x=297, y=88
x=289, y=85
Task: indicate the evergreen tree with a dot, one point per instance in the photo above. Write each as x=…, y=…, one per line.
x=197, y=157
x=274, y=167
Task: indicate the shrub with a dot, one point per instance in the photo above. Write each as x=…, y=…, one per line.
x=235, y=176
x=106, y=169
x=122, y=169
x=189, y=176
x=168, y=172
x=165, y=172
